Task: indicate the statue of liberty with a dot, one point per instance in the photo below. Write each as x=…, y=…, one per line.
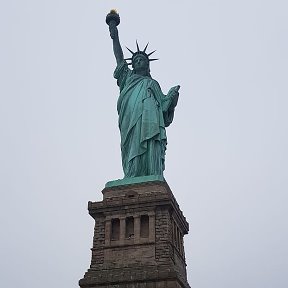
x=144, y=111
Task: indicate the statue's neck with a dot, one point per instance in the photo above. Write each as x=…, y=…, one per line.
x=142, y=73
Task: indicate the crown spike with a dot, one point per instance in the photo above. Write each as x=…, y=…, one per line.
x=151, y=53
x=153, y=60
x=138, y=49
x=129, y=50
x=145, y=47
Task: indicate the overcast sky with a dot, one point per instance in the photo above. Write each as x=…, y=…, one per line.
x=227, y=159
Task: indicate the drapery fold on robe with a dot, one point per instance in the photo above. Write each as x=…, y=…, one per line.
x=144, y=112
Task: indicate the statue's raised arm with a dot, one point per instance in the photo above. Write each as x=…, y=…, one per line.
x=113, y=21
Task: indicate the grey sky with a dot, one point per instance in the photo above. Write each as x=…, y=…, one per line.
x=227, y=148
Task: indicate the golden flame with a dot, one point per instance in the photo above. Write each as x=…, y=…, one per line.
x=113, y=11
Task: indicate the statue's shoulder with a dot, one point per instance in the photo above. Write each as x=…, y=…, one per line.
x=122, y=69
x=155, y=83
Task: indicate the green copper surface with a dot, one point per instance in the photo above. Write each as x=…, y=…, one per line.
x=144, y=111
x=134, y=180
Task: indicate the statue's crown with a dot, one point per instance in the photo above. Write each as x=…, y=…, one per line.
x=139, y=52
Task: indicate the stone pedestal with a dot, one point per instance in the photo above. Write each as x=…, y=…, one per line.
x=138, y=239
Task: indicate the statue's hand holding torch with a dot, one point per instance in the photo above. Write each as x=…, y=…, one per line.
x=113, y=20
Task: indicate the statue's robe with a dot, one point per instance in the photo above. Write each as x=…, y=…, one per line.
x=144, y=112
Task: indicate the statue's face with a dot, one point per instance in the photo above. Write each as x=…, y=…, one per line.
x=140, y=63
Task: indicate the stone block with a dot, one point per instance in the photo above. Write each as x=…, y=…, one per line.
x=137, y=259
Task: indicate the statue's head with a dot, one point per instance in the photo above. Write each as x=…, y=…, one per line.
x=140, y=63
x=140, y=60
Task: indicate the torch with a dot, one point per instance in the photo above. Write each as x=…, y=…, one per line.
x=112, y=19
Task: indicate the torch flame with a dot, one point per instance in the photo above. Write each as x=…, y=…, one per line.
x=113, y=11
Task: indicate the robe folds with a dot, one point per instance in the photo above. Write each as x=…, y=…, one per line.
x=144, y=112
